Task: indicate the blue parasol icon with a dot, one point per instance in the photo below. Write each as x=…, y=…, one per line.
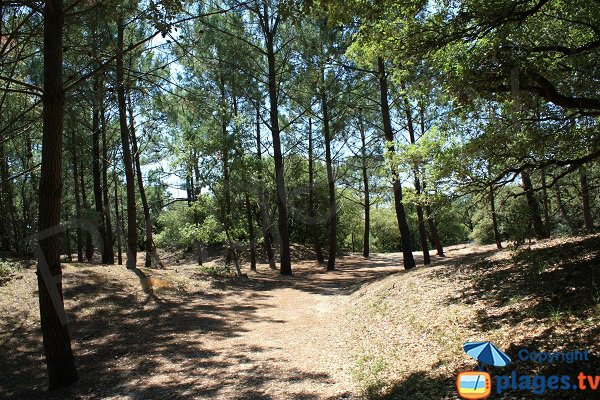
x=486, y=353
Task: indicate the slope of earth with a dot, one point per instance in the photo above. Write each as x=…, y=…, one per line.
x=408, y=329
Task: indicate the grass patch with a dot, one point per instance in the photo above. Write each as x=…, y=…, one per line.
x=217, y=270
x=368, y=373
x=8, y=268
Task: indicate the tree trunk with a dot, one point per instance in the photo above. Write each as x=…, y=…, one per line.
x=226, y=208
x=68, y=248
x=408, y=259
x=281, y=198
x=75, y=165
x=419, y=207
x=119, y=226
x=330, y=185
x=265, y=221
x=108, y=246
x=5, y=201
x=585, y=201
x=251, y=234
x=97, y=99
x=534, y=208
x=311, y=196
x=434, y=236
x=546, y=203
x=433, y=232
x=150, y=251
x=57, y=340
x=127, y=161
x=367, y=200
x=89, y=243
x=494, y=218
x=7, y=190
x=563, y=210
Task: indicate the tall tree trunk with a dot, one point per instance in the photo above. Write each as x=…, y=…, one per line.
x=188, y=188
x=108, y=246
x=532, y=203
x=68, y=248
x=198, y=190
x=150, y=251
x=225, y=149
x=119, y=226
x=5, y=201
x=196, y=177
x=89, y=243
x=311, y=196
x=281, y=198
x=96, y=173
x=7, y=190
x=330, y=185
x=57, y=340
x=585, y=201
x=546, y=203
x=251, y=234
x=265, y=220
x=419, y=207
x=434, y=236
x=75, y=165
x=127, y=161
x=407, y=256
x=433, y=232
x=563, y=209
x=534, y=208
x=494, y=218
x=367, y=200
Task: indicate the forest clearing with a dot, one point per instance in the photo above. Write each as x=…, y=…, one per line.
x=364, y=331
x=299, y=199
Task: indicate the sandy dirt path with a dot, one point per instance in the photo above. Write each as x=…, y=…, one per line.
x=264, y=337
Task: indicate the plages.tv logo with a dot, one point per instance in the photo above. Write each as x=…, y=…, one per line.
x=474, y=385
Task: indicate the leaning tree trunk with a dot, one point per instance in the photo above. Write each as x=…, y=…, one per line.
x=546, y=202
x=494, y=218
x=532, y=202
x=264, y=217
x=419, y=207
x=367, y=200
x=534, y=208
x=434, y=236
x=281, y=198
x=585, y=201
x=57, y=340
x=311, y=196
x=330, y=186
x=150, y=250
x=127, y=161
x=408, y=259
x=563, y=209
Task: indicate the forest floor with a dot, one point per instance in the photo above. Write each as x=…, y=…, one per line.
x=367, y=330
